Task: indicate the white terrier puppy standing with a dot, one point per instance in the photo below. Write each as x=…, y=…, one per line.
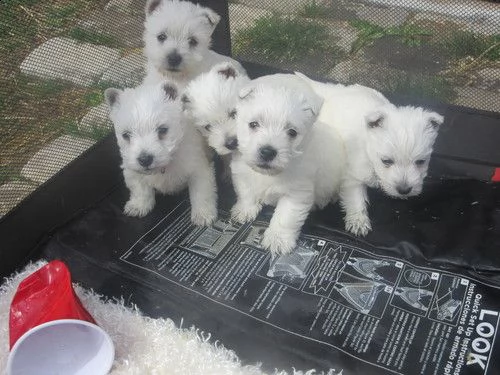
x=177, y=41
x=285, y=157
x=387, y=147
x=210, y=99
x=160, y=151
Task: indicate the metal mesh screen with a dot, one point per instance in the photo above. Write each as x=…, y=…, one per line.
x=58, y=56
x=442, y=50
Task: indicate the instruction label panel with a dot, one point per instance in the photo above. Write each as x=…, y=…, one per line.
x=388, y=313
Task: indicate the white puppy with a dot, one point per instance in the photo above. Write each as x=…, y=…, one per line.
x=160, y=151
x=387, y=147
x=210, y=99
x=177, y=41
x=285, y=157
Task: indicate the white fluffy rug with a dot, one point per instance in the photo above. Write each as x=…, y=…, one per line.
x=143, y=345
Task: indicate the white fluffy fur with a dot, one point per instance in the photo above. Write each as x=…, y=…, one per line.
x=181, y=23
x=307, y=168
x=143, y=345
x=179, y=157
x=387, y=147
x=210, y=99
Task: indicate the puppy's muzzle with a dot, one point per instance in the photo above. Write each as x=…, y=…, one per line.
x=174, y=60
x=267, y=153
x=231, y=143
x=145, y=159
x=403, y=189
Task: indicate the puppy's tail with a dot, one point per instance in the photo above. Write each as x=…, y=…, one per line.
x=319, y=88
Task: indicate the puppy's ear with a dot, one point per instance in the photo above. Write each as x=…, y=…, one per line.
x=186, y=102
x=246, y=92
x=435, y=120
x=227, y=71
x=375, y=119
x=312, y=104
x=112, y=97
x=151, y=6
x=211, y=17
x=170, y=90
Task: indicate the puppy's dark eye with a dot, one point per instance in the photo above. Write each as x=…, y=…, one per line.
x=420, y=162
x=292, y=133
x=162, y=131
x=253, y=125
x=387, y=162
x=208, y=127
x=232, y=114
x=126, y=136
x=193, y=42
x=161, y=37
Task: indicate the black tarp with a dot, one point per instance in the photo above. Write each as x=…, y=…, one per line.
x=427, y=271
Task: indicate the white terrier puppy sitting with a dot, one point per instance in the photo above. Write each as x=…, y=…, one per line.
x=285, y=157
x=160, y=151
x=387, y=147
x=177, y=41
x=210, y=99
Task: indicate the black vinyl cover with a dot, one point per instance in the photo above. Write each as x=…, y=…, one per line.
x=419, y=295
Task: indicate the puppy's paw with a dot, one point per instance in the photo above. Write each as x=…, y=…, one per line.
x=138, y=207
x=358, y=224
x=204, y=216
x=242, y=213
x=279, y=242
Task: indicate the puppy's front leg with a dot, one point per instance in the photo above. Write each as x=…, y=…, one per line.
x=203, y=195
x=354, y=201
x=247, y=206
x=287, y=221
x=142, y=196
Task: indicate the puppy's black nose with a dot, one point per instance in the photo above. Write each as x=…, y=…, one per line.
x=267, y=153
x=231, y=143
x=403, y=189
x=145, y=159
x=174, y=59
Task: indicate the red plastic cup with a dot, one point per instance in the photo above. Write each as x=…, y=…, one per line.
x=50, y=330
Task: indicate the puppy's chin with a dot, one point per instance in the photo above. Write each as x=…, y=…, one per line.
x=392, y=192
x=222, y=151
x=173, y=70
x=165, y=69
x=150, y=171
x=266, y=169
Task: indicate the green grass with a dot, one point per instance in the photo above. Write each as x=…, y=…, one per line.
x=463, y=44
x=23, y=91
x=41, y=89
x=58, y=17
x=70, y=127
x=315, y=10
x=88, y=36
x=281, y=39
x=367, y=34
x=411, y=35
x=433, y=88
x=95, y=94
x=8, y=174
x=13, y=3
x=17, y=27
